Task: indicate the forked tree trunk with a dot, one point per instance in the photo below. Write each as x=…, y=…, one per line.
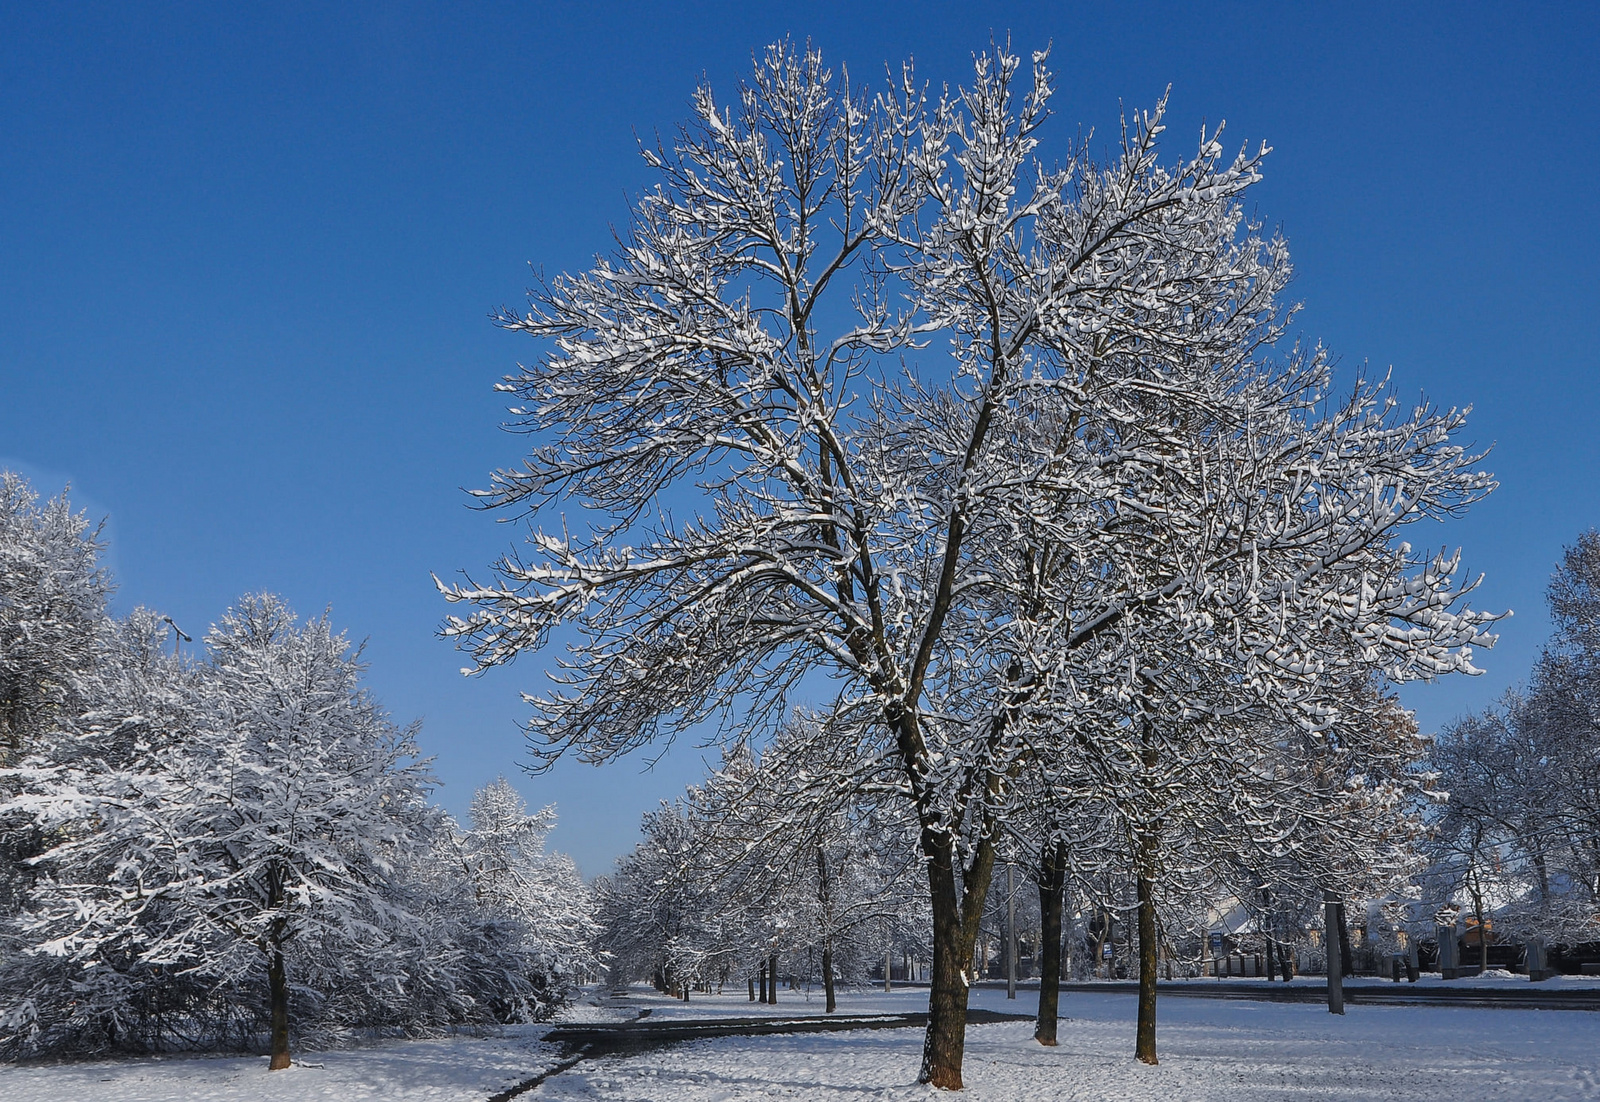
x=278, y=989
x=1330, y=919
x=1144, y=1045
x=1052, y=888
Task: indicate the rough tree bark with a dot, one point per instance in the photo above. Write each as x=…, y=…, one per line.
x=957, y=908
x=1052, y=889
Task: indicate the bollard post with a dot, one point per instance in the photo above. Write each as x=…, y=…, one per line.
x=1449, y=951
x=1538, y=969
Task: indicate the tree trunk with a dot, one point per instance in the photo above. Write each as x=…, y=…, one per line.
x=1331, y=920
x=957, y=910
x=825, y=891
x=278, y=987
x=1347, y=964
x=1100, y=943
x=827, y=976
x=1483, y=939
x=772, y=979
x=1052, y=885
x=1266, y=929
x=1011, y=930
x=1544, y=877
x=752, y=988
x=1144, y=1047
x=945, y=1042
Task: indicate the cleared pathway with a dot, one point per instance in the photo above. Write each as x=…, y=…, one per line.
x=643, y=1033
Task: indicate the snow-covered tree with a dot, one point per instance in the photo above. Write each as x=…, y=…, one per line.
x=505, y=861
x=1207, y=552
x=53, y=595
x=136, y=697
x=765, y=339
x=657, y=921
x=256, y=840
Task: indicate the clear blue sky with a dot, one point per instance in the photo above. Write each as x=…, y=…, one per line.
x=247, y=253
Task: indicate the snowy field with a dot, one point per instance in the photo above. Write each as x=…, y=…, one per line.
x=1210, y=1049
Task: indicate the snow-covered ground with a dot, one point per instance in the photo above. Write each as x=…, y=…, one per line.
x=1222, y=1050
x=1210, y=1049
x=444, y=1070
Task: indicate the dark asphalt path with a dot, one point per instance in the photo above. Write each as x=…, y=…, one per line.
x=644, y=1033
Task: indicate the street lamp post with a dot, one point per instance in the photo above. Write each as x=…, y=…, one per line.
x=178, y=636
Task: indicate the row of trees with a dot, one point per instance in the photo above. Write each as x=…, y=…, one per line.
x=194, y=848
x=773, y=857
x=768, y=869
x=1518, y=845
x=1100, y=570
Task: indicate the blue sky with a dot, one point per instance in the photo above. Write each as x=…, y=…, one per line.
x=247, y=254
